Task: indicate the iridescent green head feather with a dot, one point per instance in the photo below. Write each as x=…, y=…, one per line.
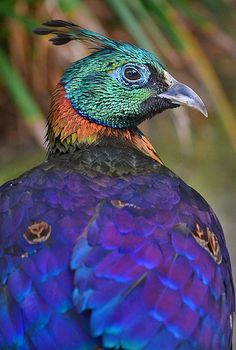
x=118, y=85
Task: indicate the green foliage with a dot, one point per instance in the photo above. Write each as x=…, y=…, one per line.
x=181, y=32
x=193, y=39
x=19, y=90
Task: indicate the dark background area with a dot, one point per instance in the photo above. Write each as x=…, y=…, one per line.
x=195, y=40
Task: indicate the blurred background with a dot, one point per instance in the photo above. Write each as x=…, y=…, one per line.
x=196, y=42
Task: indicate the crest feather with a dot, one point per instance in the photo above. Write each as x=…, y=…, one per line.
x=65, y=32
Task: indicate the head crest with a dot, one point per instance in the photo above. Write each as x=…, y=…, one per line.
x=65, y=32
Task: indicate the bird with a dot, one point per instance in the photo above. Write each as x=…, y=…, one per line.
x=101, y=245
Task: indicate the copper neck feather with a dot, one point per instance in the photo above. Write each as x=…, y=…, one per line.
x=67, y=129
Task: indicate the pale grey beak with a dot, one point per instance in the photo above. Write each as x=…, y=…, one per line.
x=183, y=95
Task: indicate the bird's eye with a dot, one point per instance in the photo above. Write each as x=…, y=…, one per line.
x=131, y=74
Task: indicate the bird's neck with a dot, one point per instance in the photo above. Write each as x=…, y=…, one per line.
x=69, y=131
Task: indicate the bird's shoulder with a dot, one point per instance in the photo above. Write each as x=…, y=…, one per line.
x=115, y=175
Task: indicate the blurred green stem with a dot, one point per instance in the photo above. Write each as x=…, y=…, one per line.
x=208, y=75
x=132, y=24
x=18, y=90
x=22, y=97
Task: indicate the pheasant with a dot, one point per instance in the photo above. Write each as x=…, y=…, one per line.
x=102, y=246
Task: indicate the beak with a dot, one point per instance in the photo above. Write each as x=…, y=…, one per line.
x=182, y=95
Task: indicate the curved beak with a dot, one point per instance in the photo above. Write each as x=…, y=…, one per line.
x=181, y=94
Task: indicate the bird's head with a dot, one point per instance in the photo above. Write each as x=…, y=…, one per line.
x=119, y=85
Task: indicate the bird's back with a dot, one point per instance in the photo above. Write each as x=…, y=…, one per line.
x=107, y=248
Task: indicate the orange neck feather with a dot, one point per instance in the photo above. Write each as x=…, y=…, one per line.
x=66, y=124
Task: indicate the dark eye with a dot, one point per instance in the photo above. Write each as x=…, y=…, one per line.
x=132, y=74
